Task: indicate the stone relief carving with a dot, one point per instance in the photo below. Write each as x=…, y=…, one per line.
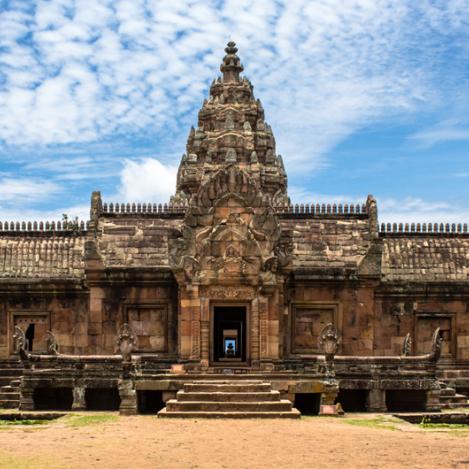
x=230, y=230
x=407, y=345
x=52, y=344
x=229, y=293
x=329, y=343
x=20, y=340
x=126, y=342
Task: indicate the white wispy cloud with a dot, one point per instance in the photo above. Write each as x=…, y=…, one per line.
x=447, y=131
x=75, y=71
x=392, y=209
x=82, y=212
x=147, y=180
x=25, y=190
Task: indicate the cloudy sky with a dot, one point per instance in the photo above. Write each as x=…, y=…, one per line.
x=364, y=96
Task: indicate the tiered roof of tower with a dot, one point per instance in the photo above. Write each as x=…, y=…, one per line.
x=231, y=130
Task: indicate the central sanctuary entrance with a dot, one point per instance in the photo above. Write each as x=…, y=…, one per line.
x=229, y=334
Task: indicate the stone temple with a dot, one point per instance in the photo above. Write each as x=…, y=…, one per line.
x=229, y=300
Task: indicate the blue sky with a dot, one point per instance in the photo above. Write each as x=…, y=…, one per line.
x=364, y=96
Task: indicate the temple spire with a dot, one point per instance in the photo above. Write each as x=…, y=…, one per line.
x=231, y=66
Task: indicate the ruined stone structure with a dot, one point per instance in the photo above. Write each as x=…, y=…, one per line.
x=231, y=288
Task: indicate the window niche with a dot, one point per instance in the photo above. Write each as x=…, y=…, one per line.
x=308, y=320
x=35, y=326
x=150, y=325
x=425, y=325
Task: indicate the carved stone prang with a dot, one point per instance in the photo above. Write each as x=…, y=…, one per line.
x=126, y=342
x=407, y=345
x=437, y=343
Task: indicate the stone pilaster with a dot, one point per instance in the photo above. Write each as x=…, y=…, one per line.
x=79, y=402
x=376, y=400
x=328, y=397
x=128, y=397
x=26, y=395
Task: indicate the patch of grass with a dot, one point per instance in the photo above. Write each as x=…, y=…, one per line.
x=380, y=422
x=81, y=420
x=6, y=423
x=452, y=426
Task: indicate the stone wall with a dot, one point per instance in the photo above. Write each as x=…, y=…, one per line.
x=61, y=308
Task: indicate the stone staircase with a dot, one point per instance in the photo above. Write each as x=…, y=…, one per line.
x=228, y=399
x=456, y=376
x=10, y=374
x=450, y=399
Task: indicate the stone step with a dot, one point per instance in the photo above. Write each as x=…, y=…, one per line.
x=234, y=380
x=9, y=396
x=451, y=374
x=9, y=404
x=232, y=387
x=447, y=392
x=460, y=398
x=174, y=405
x=10, y=364
x=9, y=389
x=11, y=372
x=292, y=414
x=454, y=397
x=455, y=405
x=5, y=381
x=270, y=396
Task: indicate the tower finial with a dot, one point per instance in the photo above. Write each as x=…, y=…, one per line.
x=231, y=66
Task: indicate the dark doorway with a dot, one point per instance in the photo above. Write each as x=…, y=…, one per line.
x=308, y=403
x=150, y=402
x=229, y=334
x=352, y=400
x=102, y=398
x=29, y=334
x=53, y=398
x=406, y=400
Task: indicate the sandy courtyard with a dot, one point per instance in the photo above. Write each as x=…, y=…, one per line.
x=145, y=442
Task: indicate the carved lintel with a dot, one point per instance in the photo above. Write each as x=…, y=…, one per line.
x=230, y=293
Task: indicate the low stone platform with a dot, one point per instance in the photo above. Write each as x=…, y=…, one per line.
x=229, y=399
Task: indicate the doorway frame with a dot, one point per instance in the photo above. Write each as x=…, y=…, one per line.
x=13, y=314
x=228, y=304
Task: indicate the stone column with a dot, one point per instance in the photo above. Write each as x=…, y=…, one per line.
x=263, y=304
x=328, y=397
x=433, y=400
x=254, y=335
x=128, y=397
x=79, y=402
x=376, y=400
x=26, y=395
x=204, y=332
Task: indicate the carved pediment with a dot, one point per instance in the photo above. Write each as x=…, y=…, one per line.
x=230, y=182
x=229, y=231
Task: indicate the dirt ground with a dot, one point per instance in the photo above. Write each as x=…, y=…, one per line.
x=110, y=441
